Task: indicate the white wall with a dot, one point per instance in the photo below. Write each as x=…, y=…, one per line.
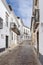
x=28, y=32
x=5, y=30
x=13, y=41
x=15, y=20
x=41, y=27
x=20, y=27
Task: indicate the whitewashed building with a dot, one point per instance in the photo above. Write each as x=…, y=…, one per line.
x=26, y=33
x=4, y=28
x=8, y=32
x=14, y=31
x=20, y=27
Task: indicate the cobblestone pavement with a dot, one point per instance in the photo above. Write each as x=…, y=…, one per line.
x=22, y=55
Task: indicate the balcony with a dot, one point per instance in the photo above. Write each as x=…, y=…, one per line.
x=14, y=28
x=36, y=22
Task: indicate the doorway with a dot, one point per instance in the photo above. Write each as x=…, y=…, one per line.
x=6, y=41
x=38, y=43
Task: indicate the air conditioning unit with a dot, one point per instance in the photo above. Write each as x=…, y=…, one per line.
x=1, y=23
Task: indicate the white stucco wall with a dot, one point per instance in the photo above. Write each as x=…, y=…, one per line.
x=41, y=27
x=20, y=25
x=13, y=41
x=5, y=30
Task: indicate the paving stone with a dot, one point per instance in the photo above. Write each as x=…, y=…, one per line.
x=22, y=55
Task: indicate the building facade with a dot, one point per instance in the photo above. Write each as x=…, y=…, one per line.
x=26, y=33
x=4, y=30
x=8, y=29
x=35, y=25
x=20, y=27
x=14, y=30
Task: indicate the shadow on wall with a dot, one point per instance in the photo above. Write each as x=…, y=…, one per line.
x=41, y=58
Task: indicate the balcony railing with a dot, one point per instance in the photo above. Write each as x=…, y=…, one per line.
x=14, y=28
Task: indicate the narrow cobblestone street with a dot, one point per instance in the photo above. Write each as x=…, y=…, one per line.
x=21, y=55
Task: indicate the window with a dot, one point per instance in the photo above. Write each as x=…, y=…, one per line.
x=36, y=2
x=7, y=16
x=21, y=36
x=1, y=23
x=12, y=35
x=24, y=31
x=37, y=15
x=26, y=36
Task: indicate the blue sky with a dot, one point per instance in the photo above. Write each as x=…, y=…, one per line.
x=23, y=9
